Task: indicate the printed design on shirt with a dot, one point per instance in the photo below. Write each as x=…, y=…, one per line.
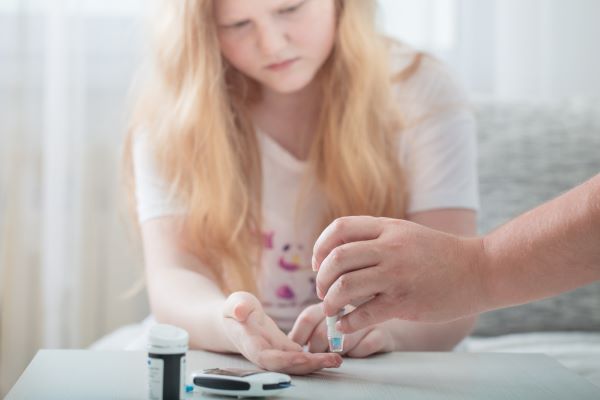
x=291, y=259
x=285, y=292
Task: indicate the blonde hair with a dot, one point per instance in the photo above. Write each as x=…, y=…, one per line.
x=193, y=111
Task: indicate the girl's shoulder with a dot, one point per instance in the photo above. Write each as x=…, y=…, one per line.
x=421, y=83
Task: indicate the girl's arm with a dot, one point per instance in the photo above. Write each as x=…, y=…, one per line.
x=182, y=291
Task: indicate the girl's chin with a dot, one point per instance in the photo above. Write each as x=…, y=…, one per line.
x=286, y=86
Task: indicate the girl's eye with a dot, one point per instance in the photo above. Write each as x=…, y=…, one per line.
x=291, y=9
x=237, y=25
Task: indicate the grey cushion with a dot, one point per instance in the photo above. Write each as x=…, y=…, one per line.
x=528, y=154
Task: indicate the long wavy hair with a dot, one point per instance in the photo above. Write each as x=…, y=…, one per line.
x=193, y=110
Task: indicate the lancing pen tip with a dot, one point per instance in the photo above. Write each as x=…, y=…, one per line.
x=335, y=337
x=336, y=344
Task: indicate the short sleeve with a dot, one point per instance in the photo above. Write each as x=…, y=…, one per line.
x=440, y=161
x=438, y=147
x=151, y=191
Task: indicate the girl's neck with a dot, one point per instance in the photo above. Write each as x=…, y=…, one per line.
x=289, y=119
x=298, y=102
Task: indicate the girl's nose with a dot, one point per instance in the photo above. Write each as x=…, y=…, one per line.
x=272, y=39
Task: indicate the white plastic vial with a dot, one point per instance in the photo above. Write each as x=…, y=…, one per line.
x=167, y=346
x=335, y=337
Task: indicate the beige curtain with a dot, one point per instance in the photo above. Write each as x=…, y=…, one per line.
x=67, y=257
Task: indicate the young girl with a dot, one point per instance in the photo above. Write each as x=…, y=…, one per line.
x=261, y=122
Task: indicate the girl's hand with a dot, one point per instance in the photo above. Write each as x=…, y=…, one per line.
x=258, y=338
x=310, y=329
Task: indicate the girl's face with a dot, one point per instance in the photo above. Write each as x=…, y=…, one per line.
x=279, y=43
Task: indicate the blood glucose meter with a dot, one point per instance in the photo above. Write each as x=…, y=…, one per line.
x=240, y=382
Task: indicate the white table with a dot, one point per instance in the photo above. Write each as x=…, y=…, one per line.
x=86, y=374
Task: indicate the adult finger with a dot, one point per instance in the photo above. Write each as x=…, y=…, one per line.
x=355, y=285
x=344, y=230
x=345, y=258
x=308, y=320
x=374, y=311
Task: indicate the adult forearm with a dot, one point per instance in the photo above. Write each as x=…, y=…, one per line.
x=192, y=301
x=416, y=336
x=546, y=251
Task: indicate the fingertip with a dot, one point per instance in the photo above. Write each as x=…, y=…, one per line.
x=236, y=312
x=294, y=336
x=319, y=293
x=335, y=361
x=328, y=310
x=240, y=312
x=295, y=340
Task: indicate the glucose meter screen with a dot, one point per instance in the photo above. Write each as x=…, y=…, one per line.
x=233, y=372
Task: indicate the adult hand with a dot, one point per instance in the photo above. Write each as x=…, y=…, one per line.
x=410, y=272
x=310, y=329
x=258, y=338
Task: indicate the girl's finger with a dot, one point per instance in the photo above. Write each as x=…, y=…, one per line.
x=318, y=342
x=373, y=342
x=351, y=340
x=278, y=339
x=297, y=363
x=240, y=305
x=241, y=311
x=374, y=311
x=304, y=326
x=249, y=342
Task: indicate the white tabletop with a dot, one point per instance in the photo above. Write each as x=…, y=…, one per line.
x=86, y=374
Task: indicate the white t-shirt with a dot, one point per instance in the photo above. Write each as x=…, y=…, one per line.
x=437, y=151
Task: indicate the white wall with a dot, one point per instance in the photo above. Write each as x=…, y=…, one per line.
x=510, y=49
x=547, y=48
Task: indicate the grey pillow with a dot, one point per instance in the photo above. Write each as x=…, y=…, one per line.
x=528, y=154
